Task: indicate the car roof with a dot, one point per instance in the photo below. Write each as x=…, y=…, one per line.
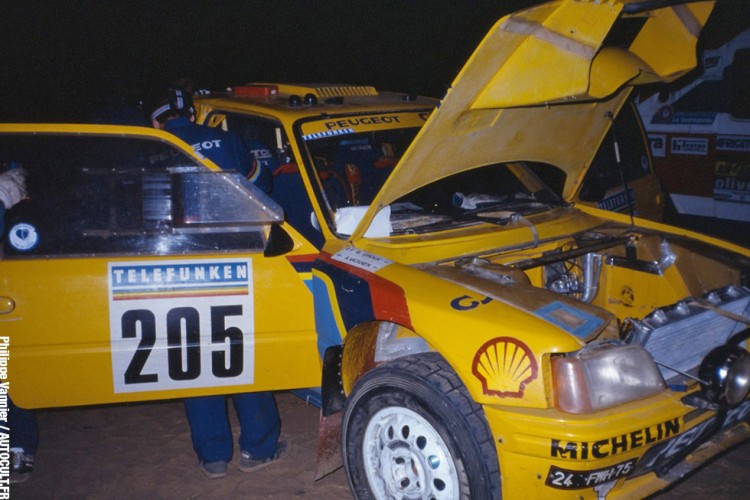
x=291, y=102
x=106, y=130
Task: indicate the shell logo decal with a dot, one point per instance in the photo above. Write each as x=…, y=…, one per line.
x=504, y=366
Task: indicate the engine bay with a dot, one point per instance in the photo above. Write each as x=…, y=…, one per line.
x=679, y=299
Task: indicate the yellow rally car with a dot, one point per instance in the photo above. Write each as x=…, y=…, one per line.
x=474, y=335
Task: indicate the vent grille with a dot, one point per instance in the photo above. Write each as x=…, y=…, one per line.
x=346, y=91
x=680, y=336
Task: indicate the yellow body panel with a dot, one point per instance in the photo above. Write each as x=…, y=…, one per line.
x=67, y=328
x=61, y=347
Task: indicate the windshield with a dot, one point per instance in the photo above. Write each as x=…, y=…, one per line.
x=353, y=156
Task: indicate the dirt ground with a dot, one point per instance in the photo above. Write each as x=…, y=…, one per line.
x=144, y=451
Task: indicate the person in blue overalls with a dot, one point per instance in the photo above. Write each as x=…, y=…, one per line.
x=257, y=413
x=24, y=434
x=175, y=113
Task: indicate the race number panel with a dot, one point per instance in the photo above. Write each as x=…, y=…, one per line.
x=181, y=324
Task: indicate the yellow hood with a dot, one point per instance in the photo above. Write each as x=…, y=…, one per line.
x=542, y=84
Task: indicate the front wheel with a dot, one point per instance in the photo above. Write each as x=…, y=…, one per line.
x=411, y=430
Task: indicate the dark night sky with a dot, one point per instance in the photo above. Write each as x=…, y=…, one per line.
x=60, y=59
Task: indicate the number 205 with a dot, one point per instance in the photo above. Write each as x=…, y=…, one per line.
x=184, y=357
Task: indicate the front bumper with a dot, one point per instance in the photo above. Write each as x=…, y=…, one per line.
x=631, y=451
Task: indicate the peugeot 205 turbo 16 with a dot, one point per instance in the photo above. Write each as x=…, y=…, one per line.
x=474, y=334
x=483, y=337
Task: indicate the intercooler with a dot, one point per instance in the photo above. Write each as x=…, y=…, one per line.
x=681, y=335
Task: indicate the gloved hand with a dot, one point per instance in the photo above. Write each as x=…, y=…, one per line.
x=12, y=187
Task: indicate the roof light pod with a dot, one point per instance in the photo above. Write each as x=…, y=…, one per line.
x=311, y=99
x=295, y=101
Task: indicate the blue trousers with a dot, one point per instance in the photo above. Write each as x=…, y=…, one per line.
x=211, y=433
x=24, y=432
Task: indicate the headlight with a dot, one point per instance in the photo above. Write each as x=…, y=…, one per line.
x=602, y=376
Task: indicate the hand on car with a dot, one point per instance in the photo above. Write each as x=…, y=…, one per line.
x=12, y=187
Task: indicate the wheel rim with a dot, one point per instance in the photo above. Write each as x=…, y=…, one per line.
x=405, y=457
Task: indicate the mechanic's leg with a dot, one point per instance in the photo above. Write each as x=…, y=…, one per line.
x=260, y=423
x=25, y=433
x=209, y=428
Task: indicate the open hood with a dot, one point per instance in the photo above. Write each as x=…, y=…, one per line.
x=543, y=85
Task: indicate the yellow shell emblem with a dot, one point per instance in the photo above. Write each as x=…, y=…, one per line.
x=504, y=366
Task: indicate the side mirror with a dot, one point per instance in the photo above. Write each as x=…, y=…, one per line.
x=279, y=242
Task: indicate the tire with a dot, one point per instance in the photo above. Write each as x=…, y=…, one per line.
x=411, y=430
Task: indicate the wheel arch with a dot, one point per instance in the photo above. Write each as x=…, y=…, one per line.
x=365, y=347
x=373, y=343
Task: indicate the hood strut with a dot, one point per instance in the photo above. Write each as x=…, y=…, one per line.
x=623, y=176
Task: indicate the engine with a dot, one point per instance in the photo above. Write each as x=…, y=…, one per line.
x=683, y=302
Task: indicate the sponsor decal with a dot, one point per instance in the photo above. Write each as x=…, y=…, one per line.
x=667, y=115
x=689, y=146
x=153, y=281
x=618, y=202
x=23, y=237
x=467, y=303
x=732, y=181
x=349, y=125
x=327, y=133
x=504, y=366
x=572, y=320
x=206, y=145
x=603, y=448
x=359, y=294
x=661, y=454
x=733, y=143
x=361, y=259
x=658, y=143
x=627, y=296
x=181, y=324
x=565, y=479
